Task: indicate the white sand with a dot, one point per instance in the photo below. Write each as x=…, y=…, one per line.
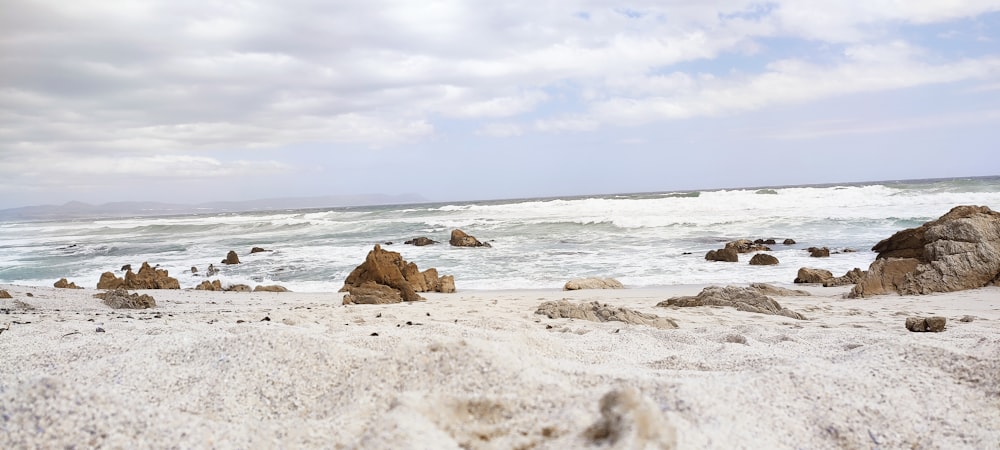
x=481, y=370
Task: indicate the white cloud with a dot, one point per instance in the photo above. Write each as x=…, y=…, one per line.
x=501, y=130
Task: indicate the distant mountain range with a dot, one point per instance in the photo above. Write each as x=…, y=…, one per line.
x=80, y=210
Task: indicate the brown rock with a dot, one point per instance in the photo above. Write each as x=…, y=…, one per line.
x=936, y=324
x=231, y=258
x=598, y=312
x=212, y=270
x=64, y=284
x=206, y=285
x=747, y=246
x=933, y=324
x=768, y=289
x=271, y=288
x=809, y=275
x=238, y=288
x=630, y=421
x=120, y=298
x=149, y=278
x=389, y=269
x=110, y=281
x=742, y=298
x=447, y=284
x=788, y=242
x=724, y=254
x=5, y=294
x=460, y=239
x=763, y=259
x=960, y=250
x=592, y=283
x=421, y=241
x=371, y=293
x=851, y=277
x=255, y=250
x=819, y=252
x=194, y=269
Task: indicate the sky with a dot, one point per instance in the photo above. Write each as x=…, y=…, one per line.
x=197, y=101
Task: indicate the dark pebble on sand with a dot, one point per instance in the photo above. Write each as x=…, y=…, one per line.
x=266, y=319
x=100, y=330
x=373, y=334
x=240, y=321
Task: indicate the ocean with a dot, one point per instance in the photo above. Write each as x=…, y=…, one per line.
x=643, y=240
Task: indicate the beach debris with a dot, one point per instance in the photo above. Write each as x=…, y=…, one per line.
x=629, y=420
x=214, y=285
x=818, y=252
x=763, y=259
x=601, y=312
x=5, y=294
x=933, y=324
x=119, y=298
x=270, y=288
x=960, y=250
x=747, y=299
x=147, y=278
x=460, y=239
x=231, y=258
x=592, y=283
x=724, y=255
x=389, y=269
x=65, y=284
x=258, y=250
x=421, y=241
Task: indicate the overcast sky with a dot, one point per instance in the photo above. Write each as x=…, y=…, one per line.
x=195, y=101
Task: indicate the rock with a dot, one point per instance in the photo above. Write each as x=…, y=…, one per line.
x=960, y=250
x=598, y=312
x=810, y=275
x=630, y=421
x=371, y=293
x=231, y=258
x=120, y=298
x=420, y=241
x=742, y=298
x=919, y=324
x=110, y=281
x=206, y=285
x=238, y=288
x=211, y=271
x=64, y=284
x=851, y=277
x=725, y=255
x=147, y=278
x=194, y=269
x=460, y=239
x=255, y=250
x=747, y=246
x=819, y=252
x=389, y=269
x=768, y=289
x=5, y=294
x=126, y=267
x=763, y=259
x=270, y=288
x=592, y=283
x=788, y=242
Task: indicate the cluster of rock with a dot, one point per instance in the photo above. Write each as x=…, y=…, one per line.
x=147, y=278
x=65, y=284
x=216, y=285
x=732, y=250
x=119, y=298
x=750, y=299
x=601, y=312
x=934, y=324
x=592, y=283
x=808, y=275
x=960, y=250
x=385, y=277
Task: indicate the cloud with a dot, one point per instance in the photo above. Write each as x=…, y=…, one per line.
x=501, y=130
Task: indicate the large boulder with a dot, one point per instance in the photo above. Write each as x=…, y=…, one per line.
x=960, y=250
x=214, y=285
x=64, y=284
x=763, y=259
x=723, y=254
x=851, y=277
x=592, y=283
x=460, y=239
x=749, y=299
x=371, y=293
x=810, y=275
x=231, y=258
x=386, y=268
x=147, y=278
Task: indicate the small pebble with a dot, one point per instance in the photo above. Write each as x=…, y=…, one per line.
x=240, y=321
x=265, y=319
x=373, y=334
x=100, y=330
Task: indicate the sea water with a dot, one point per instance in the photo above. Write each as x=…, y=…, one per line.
x=651, y=239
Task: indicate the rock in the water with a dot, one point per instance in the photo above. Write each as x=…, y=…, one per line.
x=819, y=252
x=810, y=275
x=211, y=271
x=389, y=269
x=371, y=293
x=120, y=298
x=460, y=239
x=601, y=312
x=214, y=285
x=231, y=258
x=194, y=270
x=630, y=421
x=64, y=284
x=723, y=254
x=960, y=250
x=421, y=241
x=742, y=298
x=147, y=278
x=592, y=283
x=270, y=288
x=933, y=324
x=788, y=242
x=257, y=250
x=747, y=246
x=5, y=294
x=763, y=259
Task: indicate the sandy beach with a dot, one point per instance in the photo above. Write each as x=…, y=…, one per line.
x=479, y=369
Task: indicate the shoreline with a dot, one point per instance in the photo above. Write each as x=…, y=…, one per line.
x=479, y=369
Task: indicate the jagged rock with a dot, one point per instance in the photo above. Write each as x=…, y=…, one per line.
x=933, y=324
x=630, y=421
x=960, y=250
x=389, y=269
x=120, y=298
x=147, y=278
x=64, y=284
x=742, y=298
x=747, y=246
x=810, y=275
x=819, y=252
x=231, y=258
x=763, y=259
x=238, y=288
x=460, y=239
x=110, y=281
x=271, y=288
x=768, y=289
x=257, y=250
x=420, y=241
x=5, y=294
x=788, y=242
x=851, y=277
x=126, y=267
x=592, y=283
x=214, y=285
x=723, y=254
x=371, y=293
x=211, y=271
x=601, y=312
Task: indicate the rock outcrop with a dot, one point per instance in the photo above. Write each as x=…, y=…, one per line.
x=460, y=239
x=147, y=278
x=214, y=285
x=601, y=312
x=747, y=299
x=826, y=278
x=421, y=241
x=960, y=250
x=851, y=277
x=933, y=324
x=592, y=283
x=763, y=259
x=64, y=284
x=120, y=298
x=388, y=269
x=372, y=293
x=231, y=258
